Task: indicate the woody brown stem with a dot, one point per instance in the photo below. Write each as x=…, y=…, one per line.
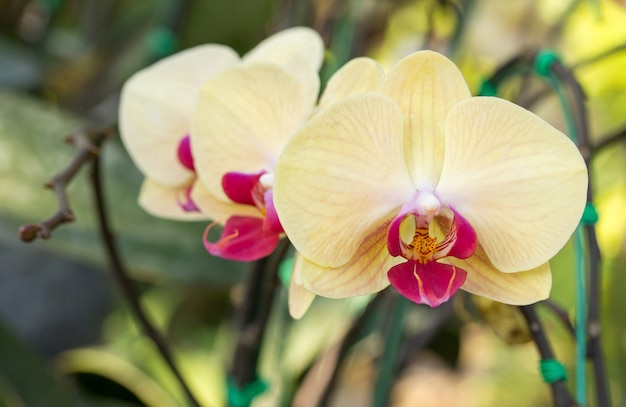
x=87, y=145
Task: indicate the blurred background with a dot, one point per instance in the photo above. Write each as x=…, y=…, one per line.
x=66, y=336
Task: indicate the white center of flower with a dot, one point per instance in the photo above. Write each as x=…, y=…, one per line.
x=267, y=180
x=428, y=204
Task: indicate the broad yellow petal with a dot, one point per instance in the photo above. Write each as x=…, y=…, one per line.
x=300, y=299
x=359, y=75
x=298, y=50
x=519, y=182
x=219, y=209
x=293, y=49
x=341, y=176
x=365, y=273
x=156, y=106
x=242, y=120
x=521, y=288
x=162, y=201
x=426, y=85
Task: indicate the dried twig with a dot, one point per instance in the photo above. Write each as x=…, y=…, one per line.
x=87, y=147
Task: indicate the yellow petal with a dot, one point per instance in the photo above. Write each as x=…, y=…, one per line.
x=341, y=176
x=359, y=75
x=293, y=49
x=522, y=288
x=219, y=209
x=156, y=106
x=426, y=85
x=300, y=299
x=298, y=50
x=365, y=273
x=243, y=119
x=519, y=182
x=161, y=201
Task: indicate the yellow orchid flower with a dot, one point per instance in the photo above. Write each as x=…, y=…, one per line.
x=243, y=119
x=157, y=104
x=421, y=186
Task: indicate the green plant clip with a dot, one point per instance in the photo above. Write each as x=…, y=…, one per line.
x=284, y=271
x=487, y=89
x=590, y=215
x=552, y=370
x=544, y=61
x=161, y=42
x=243, y=397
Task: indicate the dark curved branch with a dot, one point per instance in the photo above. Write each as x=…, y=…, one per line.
x=254, y=315
x=87, y=145
x=351, y=337
x=609, y=140
x=561, y=313
x=126, y=285
x=560, y=393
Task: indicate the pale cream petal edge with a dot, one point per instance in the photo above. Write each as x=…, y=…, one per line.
x=521, y=288
x=161, y=201
x=365, y=273
x=359, y=75
x=156, y=106
x=300, y=299
x=217, y=209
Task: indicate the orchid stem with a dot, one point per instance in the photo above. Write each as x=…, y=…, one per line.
x=560, y=393
x=352, y=336
x=126, y=285
x=561, y=313
x=254, y=315
x=393, y=339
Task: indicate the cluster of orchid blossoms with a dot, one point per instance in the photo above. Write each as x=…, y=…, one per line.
x=398, y=178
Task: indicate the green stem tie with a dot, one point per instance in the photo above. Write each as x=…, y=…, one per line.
x=552, y=370
x=161, y=42
x=544, y=61
x=487, y=89
x=590, y=215
x=243, y=397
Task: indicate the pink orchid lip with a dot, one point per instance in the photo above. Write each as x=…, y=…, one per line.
x=421, y=278
x=247, y=238
x=242, y=239
x=188, y=205
x=184, y=153
x=271, y=224
x=431, y=283
x=242, y=187
x=250, y=189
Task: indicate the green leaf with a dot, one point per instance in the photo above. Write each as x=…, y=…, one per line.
x=24, y=377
